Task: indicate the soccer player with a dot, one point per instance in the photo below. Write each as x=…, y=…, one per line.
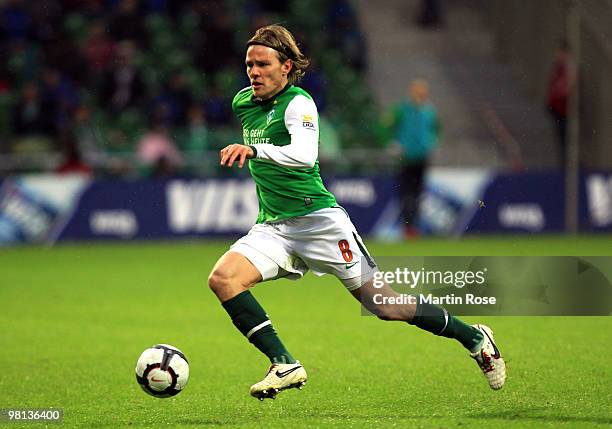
x=300, y=226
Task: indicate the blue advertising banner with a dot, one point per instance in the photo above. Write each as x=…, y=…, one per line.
x=450, y=197
x=30, y=206
x=43, y=208
x=203, y=207
x=535, y=202
x=529, y=202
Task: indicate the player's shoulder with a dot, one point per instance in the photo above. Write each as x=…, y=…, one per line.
x=299, y=93
x=247, y=90
x=298, y=99
x=242, y=96
x=302, y=110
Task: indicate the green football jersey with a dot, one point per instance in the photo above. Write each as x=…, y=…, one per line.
x=292, y=189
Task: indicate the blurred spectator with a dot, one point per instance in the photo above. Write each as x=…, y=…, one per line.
x=344, y=34
x=416, y=127
x=123, y=86
x=87, y=135
x=330, y=149
x=46, y=19
x=62, y=53
x=21, y=61
x=5, y=84
x=195, y=138
x=90, y=9
x=72, y=158
x=176, y=97
x=214, y=41
x=117, y=146
x=217, y=107
x=161, y=114
x=98, y=49
x=168, y=7
x=158, y=153
x=59, y=98
x=560, y=85
x=15, y=20
x=315, y=84
x=156, y=6
x=126, y=23
x=30, y=115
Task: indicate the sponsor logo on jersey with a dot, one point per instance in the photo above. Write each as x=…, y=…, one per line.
x=254, y=136
x=270, y=116
x=307, y=122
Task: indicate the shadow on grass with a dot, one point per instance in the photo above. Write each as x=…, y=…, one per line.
x=316, y=418
x=511, y=416
x=534, y=415
x=538, y=415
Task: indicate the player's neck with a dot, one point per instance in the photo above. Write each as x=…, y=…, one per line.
x=272, y=96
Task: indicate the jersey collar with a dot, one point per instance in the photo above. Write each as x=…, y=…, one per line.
x=271, y=99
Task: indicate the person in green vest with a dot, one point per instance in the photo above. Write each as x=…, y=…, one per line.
x=300, y=226
x=416, y=127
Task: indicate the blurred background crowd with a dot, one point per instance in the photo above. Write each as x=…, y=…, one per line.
x=144, y=87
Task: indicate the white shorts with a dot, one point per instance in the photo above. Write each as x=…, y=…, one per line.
x=324, y=241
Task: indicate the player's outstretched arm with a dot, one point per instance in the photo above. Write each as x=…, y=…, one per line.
x=236, y=152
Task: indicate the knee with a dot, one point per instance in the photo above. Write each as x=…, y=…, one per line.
x=225, y=280
x=219, y=279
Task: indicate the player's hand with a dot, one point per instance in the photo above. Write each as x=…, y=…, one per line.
x=236, y=152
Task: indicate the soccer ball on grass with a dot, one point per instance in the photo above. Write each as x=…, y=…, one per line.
x=162, y=371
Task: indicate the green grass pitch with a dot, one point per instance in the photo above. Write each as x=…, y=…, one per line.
x=74, y=319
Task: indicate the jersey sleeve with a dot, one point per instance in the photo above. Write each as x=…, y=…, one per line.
x=302, y=123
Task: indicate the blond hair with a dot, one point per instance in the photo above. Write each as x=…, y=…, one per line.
x=282, y=41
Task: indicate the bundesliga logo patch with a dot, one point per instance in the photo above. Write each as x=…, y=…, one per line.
x=307, y=122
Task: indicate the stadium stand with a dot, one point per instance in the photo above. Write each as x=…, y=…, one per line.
x=107, y=74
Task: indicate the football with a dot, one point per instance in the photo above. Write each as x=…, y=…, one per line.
x=162, y=371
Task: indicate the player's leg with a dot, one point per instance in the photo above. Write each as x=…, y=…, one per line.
x=230, y=280
x=336, y=248
x=422, y=315
x=235, y=272
x=232, y=274
x=478, y=339
x=411, y=177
